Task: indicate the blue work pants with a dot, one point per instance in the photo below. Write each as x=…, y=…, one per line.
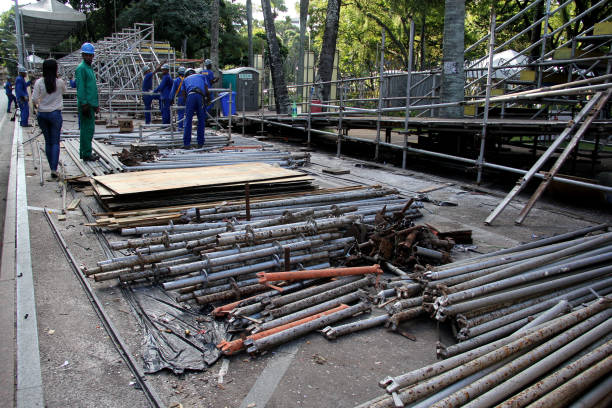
x=25, y=112
x=194, y=105
x=181, y=112
x=165, y=110
x=147, y=100
x=51, y=125
x=11, y=99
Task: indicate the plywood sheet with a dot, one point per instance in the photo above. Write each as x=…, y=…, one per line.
x=170, y=179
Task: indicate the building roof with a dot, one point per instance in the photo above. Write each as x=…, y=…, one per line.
x=47, y=23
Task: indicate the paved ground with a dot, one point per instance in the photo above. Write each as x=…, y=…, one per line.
x=80, y=366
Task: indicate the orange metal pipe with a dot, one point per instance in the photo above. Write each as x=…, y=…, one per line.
x=225, y=309
x=317, y=273
x=234, y=346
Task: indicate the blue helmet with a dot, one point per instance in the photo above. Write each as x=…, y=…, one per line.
x=21, y=68
x=181, y=70
x=165, y=66
x=87, y=48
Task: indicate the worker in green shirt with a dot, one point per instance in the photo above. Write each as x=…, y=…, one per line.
x=87, y=101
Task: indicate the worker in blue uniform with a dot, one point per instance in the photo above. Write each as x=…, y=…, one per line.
x=210, y=76
x=178, y=92
x=8, y=88
x=164, y=88
x=147, y=86
x=196, y=87
x=23, y=98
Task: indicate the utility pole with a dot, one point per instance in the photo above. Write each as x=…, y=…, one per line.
x=19, y=35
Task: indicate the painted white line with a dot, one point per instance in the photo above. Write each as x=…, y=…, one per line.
x=270, y=377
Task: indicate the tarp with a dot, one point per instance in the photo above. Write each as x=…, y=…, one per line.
x=165, y=323
x=47, y=23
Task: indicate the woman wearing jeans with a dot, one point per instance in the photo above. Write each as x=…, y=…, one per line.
x=47, y=97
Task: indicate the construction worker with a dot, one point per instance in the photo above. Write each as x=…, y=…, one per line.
x=23, y=98
x=8, y=88
x=164, y=88
x=178, y=92
x=208, y=72
x=71, y=82
x=196, y=88
x=147, y=86
x=87, y=101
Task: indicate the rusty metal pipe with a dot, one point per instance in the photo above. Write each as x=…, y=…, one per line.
x=322, y=273
x=316, y=299
x=443, y=311
x=575, y=386
x=518, y=275
x=393, y=384
x=524, y=369
x=400, y=305
x=346, y=299
x=479, y=319
x=304, y=293
x=257, y=346
x=597, y=396
x=574, y=297
x=541, y=367
x=512, y=257
x=431, y=385
x=331, y=333
x=230, y=259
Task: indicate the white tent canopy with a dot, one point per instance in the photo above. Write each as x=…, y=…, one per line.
x=47, y=23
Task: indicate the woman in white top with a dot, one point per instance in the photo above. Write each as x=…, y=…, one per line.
x=47, y=97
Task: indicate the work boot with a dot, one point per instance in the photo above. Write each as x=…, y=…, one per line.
x=54, y=174
x=187, y=147
x=92, y=157
x=200, y=146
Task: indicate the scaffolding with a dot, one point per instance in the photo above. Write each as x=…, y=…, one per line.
x=537, y=83
x=118, y=64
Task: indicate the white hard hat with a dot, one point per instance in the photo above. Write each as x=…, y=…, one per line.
x=199, y=70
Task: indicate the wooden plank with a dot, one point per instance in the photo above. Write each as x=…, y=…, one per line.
x=434, y=188
x=73, y=204
x=171, y=179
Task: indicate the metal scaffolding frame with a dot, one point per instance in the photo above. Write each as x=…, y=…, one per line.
x=483, y=87
x=118, y=64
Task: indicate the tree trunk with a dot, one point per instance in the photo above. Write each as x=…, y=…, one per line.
x=302, y=49
x=249, y=10
x=536, y=32
x=328, y=49
x=422, y=46
x=453, y=79
x=281, y=95
x=214, y=35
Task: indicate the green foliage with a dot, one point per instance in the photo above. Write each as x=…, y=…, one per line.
x=8, y=46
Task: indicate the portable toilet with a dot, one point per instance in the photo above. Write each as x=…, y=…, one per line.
x=245, y=82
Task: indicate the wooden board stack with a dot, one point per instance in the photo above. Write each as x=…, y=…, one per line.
x=167, y=187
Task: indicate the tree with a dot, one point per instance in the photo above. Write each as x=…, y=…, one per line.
x=214, y=35
x=453, y=78
x=276, y=63
x=249, y=10
x=302, y=48
x=328, y=49
x=8, y=47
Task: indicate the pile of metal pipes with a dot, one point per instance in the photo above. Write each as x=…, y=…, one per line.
x=107, y=164
x=189, y=158
x=213, y=250
x=553, y=362
x=165, y=138
x=490, y=296
x=285, y=313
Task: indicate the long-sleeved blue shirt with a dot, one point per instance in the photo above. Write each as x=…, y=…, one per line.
x=8, y=88
x=209, y=75
x=165, y=87
x=195, y=81
x=147, y=82
x=21, y=87
x=177, y=90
